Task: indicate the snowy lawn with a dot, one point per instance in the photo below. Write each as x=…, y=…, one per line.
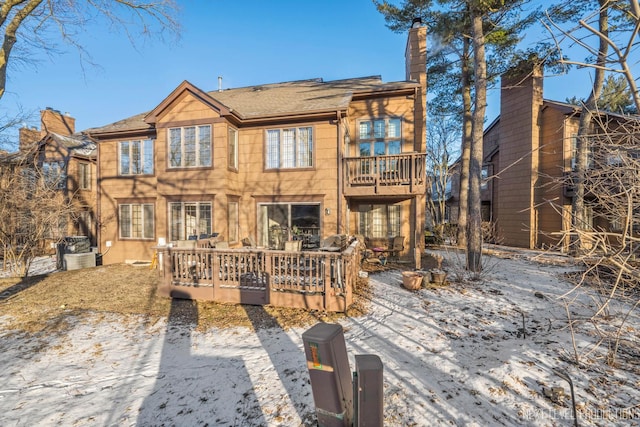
x=455, y=355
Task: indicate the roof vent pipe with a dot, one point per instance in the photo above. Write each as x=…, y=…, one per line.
x=219, y=83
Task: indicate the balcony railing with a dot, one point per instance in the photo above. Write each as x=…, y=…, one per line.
x=396, y=174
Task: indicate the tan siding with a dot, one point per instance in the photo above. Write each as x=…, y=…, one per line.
x=251, y=184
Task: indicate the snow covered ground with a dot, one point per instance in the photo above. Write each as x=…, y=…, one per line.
x=456, y=355
x=40, y=265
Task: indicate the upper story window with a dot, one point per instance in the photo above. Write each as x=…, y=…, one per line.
x=289, y=148
x=84, y=176
x=574, y=152
x=136, y=157
x=484, y=183
x=190, y=146
x=54, y=174
x=233, y=148
x=380, y=137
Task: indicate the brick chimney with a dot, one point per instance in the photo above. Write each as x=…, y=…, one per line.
x=50, y=121
x=28, y=136
x=416, y=70
x=520, y=108
x=54, y=121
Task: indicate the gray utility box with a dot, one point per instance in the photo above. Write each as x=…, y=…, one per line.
x=329, y=372
x=73, y=245
x=368, y=389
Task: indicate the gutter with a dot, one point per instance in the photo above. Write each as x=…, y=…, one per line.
x=339, y=159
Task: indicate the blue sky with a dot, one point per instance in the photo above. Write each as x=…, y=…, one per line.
x=245, y=42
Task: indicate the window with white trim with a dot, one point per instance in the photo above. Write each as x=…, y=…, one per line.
x=136, y=221
x=289, y=148
x=188, y=219
x=136, y=157
x=190, y=146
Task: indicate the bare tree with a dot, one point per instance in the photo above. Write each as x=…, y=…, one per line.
x=30, y=22
x=33, y=207
x=442, y=146
x=611, y=241
x=621, y=41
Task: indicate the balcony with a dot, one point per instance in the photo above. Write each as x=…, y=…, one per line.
x=393, y=175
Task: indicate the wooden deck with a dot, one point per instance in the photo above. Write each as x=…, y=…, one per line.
x=312, y=280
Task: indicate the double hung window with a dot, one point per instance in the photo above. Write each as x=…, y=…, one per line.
x=289, y=148
x=136, y=221
x=84, y=176
x=233, y=217
x=233, y=148
x=136, y=157
x=190, y=146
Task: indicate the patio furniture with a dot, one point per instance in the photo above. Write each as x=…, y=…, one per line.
x=248, y=242
x=293, y=245
x=385, y=247
x=397, y=246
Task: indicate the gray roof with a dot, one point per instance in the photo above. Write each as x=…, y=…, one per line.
x=278, y=99
x=299, y=97
x=129, y=124
x=77, y=144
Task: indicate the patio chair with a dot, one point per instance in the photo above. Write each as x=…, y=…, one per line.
x=397, y=246
x=248, y=242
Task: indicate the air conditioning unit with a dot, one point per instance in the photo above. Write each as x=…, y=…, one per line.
x=79, y=261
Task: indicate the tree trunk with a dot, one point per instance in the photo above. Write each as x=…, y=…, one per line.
x=474, y=244
x=582, y=143
x=463, y=195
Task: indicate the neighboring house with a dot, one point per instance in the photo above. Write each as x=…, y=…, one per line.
x=263, y=162
x=64, y=158
x=528, y=151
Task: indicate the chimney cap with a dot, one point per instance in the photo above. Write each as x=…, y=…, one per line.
x=417, y=22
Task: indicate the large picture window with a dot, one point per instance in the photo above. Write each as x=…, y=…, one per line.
x=289, y=148
x=379, y=220
x=380, y=137
x=190, y=146
x=278, y=222
x=136, y=221
x=189, y=220
x=55, y=175
x=136, y=157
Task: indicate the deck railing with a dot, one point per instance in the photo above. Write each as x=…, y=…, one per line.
x=313, y=280
x=392, y=174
